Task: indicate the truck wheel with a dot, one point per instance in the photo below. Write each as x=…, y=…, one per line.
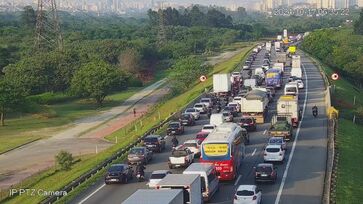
x=170, y=166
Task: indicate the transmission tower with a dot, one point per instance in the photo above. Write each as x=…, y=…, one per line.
x=48, y=34
x=162, y=32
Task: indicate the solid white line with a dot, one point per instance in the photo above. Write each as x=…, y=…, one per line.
x=239, y=177
x=254, y=152
x=264, y=132
x=278, y=196
x=94, y=192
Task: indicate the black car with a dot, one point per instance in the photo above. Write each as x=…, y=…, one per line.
x=175, y=128
x=118, y=173
x=248, y=122
x=265, y=172
x=231, y=109
x=155, y=143
x=187, y=119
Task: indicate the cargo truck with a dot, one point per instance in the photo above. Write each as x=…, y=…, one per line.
x=280, y=127
x=277, y=46
x=222, y=84
x=154, y=196
x=255, y=104
x=296, y=61
x=189, y=183
x=288, y=105
x=296, y=72
x=268, y=46
x=273, y=78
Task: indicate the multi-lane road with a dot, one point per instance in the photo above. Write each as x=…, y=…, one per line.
x=300, y=177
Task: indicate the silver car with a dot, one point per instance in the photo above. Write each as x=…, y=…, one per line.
x=195, y=113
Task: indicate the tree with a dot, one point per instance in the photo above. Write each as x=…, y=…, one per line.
x=129, y=60
x=28, y=17
x=11, y=97
x=358, y=26
x=95, y=79
x=65, y=160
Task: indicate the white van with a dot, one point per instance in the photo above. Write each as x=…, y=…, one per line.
x=291, y=89
x=208, y=175
x=260, y=72
x=216, y=119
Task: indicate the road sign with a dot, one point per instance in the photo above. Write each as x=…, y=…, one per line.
x=335, y=76
x=202, y=78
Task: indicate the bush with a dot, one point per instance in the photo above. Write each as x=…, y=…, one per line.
x=65, y=160
x=49, y=98
x=134, y=82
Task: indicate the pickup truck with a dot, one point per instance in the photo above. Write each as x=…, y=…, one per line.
x=181, y=156
x=281, y=127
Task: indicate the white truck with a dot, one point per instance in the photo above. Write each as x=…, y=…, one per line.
x=255, y=104
x=189, y=183
x=277, y=45
x=285, y=33
x=296, y=61
x=297, y=72
x=288, y=105
x=154, y=196
x=222, y=84
x=280, y=66
x=250, y=82
x=268, y=46
x=279, y=37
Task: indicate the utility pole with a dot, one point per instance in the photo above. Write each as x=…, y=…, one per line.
x=162, y=32
x=47, y=29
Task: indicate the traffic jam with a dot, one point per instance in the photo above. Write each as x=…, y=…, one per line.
x=222, y=122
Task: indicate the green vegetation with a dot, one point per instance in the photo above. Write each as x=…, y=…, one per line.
x=358, y=25
x=65, y=160
x=54, y=180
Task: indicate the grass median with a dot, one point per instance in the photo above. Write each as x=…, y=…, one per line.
x=349, y=184
x=54, y=181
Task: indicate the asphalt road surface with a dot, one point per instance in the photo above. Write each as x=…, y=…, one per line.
x=300, y=176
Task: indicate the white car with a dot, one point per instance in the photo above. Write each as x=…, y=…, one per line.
x=236, y=74
x=201, y=107
x=247, y=194
x=274, y=153
x=246, y=67
x=208, y=128
x=207, y=101
x=156, y=177
x=195, y=113
x=193, y=146
x=236, y=105
x=277, y=141
x=300, y=84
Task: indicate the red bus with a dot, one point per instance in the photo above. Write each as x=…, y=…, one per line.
x=225, y=148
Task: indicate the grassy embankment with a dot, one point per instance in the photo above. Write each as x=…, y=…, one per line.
x=48, y=119
x=53, y=180
x=349, y=142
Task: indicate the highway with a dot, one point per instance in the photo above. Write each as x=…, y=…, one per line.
x=300, y=177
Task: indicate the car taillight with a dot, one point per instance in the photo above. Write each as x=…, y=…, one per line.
x=254, y=198
x=231, y=169
x=235, y=197
x=265, y=154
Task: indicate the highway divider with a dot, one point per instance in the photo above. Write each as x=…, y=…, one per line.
x=77, y=182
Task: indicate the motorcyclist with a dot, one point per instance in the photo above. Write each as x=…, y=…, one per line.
x=174, y=141
x=315, y=110
x=140, y=169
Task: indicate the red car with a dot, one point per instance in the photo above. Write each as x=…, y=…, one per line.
x=248, y=122
x=201, y=136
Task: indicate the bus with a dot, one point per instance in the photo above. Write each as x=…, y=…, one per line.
x=208, y=174
x=273, y=78
x=225, y=148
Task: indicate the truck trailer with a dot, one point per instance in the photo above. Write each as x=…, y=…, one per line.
x=154, y=196
x=255, y=104
x=222, y=84
x=296, y=61
x=288, y=105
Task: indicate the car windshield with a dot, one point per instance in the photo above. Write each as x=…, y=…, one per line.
x=264, y=169
x=185, y=117
x=245, y=193
x=272, y=149
x=179, y=153
x=230, y=108
x=137, y=151
x=190, y=145
x=208, y=127
x=246, y=120
x=151, y=139
x=202, y=136
x=291, y=89
x=232, y=104
x=174, y=125
x=205, y=101
x=198, y=105
x=116, y=168
x=157, y=176
x=275, y=141
x=225, y=113
x=190, y=110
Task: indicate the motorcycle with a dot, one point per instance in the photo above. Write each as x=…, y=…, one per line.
x=219, y=109
x=140, y=176
x=315, y=113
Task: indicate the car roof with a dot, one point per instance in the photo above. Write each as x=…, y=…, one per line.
x=265, y=165
x=246, y=187
x=208, y=125
x=139, y=148
x=273, y=146
x=119, y=165
x=191, y=109
x=152, y=136
x=174, y=122
x=160, y=172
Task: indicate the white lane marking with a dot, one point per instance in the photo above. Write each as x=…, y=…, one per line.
x=278, y=196
x=254, y=152
x=94, y=192
x=264, y=132
x=239, y=177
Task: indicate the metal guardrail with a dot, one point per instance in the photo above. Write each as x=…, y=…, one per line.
x=68, y=188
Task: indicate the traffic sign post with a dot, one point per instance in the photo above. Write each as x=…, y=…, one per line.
x=202, y=78
x=335, y=76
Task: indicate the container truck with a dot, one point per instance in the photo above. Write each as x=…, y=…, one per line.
x=297, y=72
x=273, y=78
x=154, y=196
x=222, y=84
x=296, y=61
x=255, y=104
x=288, y=105
x=189, y=183
x=277, y=46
